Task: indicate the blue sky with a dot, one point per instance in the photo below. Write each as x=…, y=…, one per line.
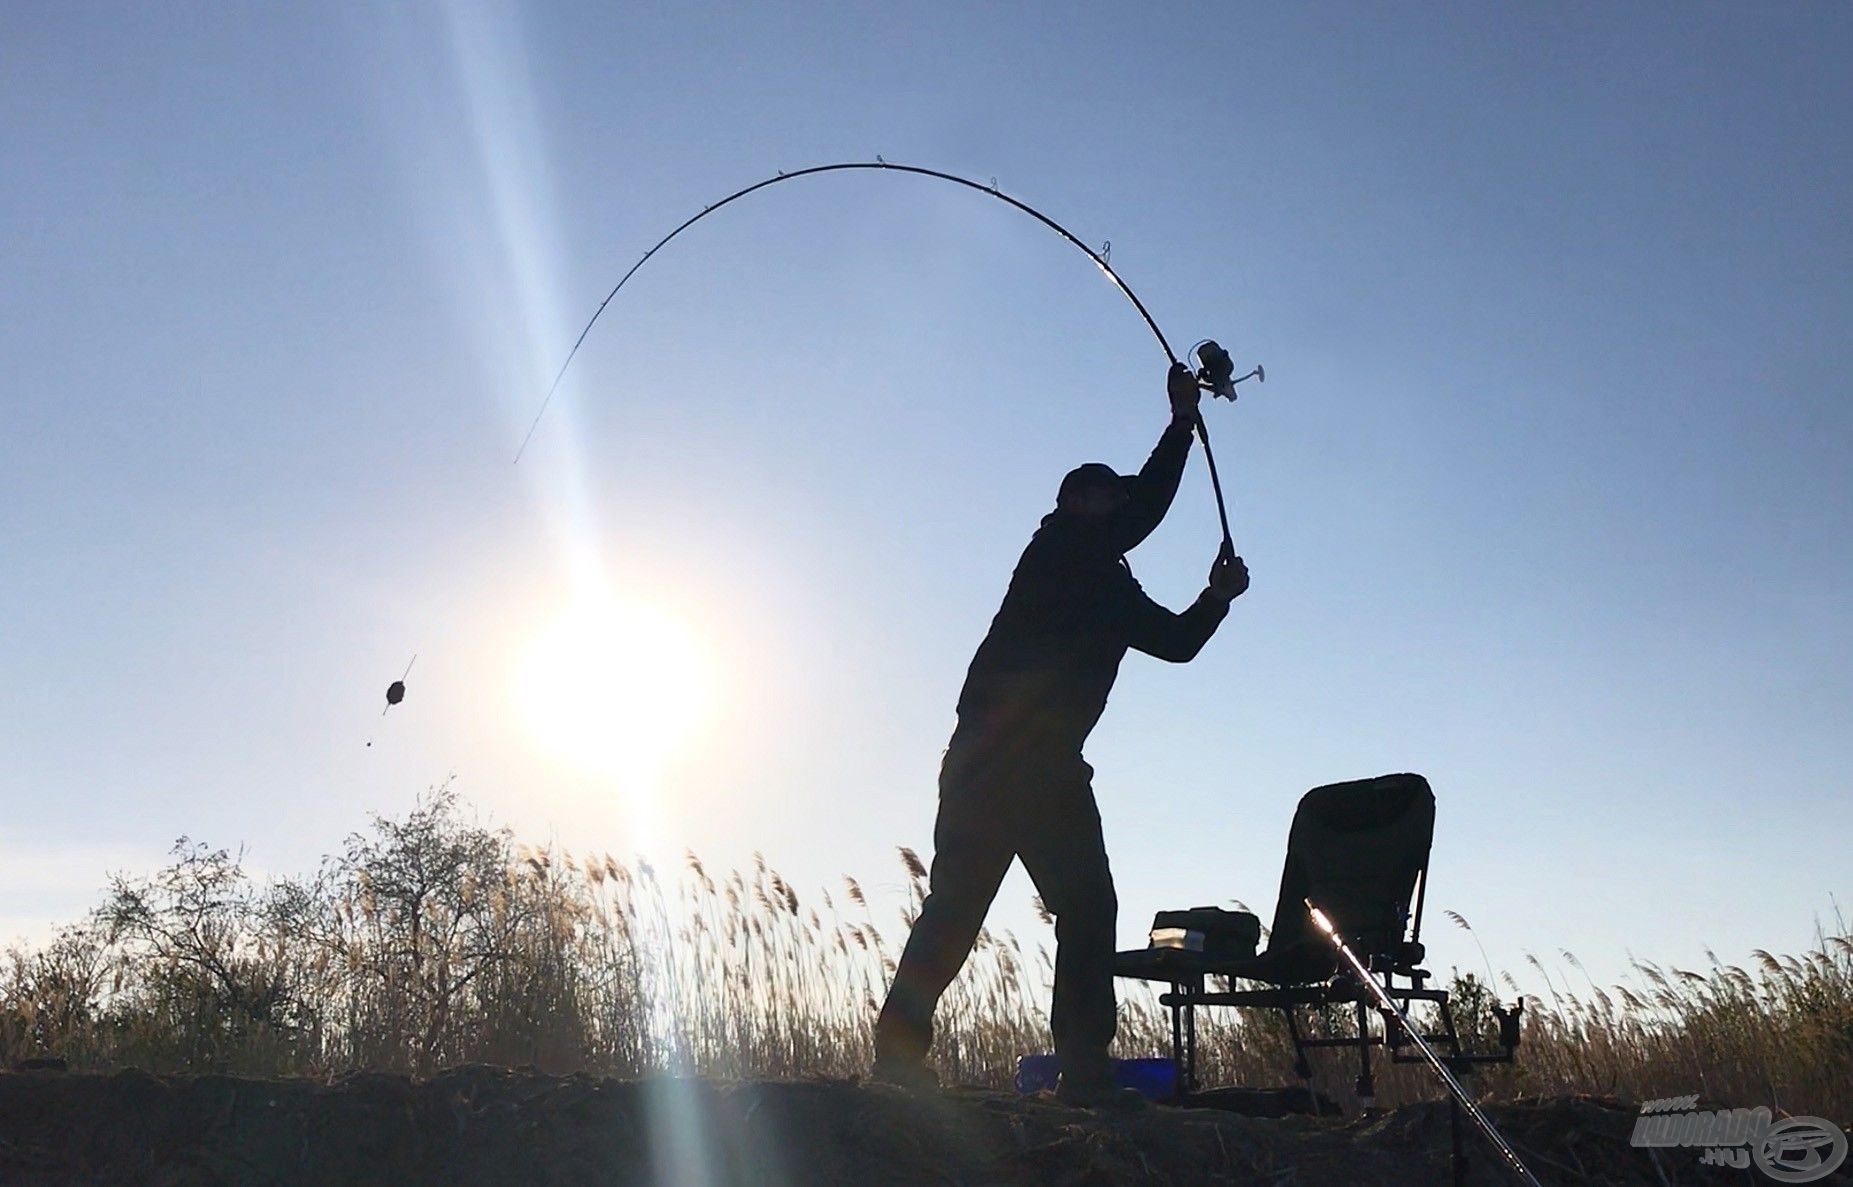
x=1546, y=497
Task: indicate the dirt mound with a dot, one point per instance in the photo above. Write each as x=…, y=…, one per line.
x=479, y=1125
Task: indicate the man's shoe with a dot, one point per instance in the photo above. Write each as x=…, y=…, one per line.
x=1092, y=1093
x=910, y=1074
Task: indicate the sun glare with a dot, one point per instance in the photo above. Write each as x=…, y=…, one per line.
x=614, y=688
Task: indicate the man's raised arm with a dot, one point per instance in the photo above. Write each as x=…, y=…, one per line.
x=1151, y=490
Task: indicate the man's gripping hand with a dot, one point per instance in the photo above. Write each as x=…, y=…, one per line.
x=1181, y=386
x=1228, y=576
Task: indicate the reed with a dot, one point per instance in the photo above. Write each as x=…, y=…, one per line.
x=432, y=940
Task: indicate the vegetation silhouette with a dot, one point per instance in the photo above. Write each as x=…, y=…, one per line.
x=432, y=940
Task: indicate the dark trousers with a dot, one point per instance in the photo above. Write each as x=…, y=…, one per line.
x=999, y=801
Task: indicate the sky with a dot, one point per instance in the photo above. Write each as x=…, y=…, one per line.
x=1546, y=496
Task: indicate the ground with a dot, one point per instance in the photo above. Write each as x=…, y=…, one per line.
x=481, y=1125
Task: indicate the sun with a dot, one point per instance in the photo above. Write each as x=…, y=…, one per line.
x=614, y=688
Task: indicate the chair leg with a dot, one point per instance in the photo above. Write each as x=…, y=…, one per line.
x=1367, y=1087
x=1178, y=1057
x=1301, y=1067
x=1190, y=1037
x=1447, y=1018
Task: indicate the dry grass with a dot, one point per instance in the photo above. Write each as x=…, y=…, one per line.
x=432, y=941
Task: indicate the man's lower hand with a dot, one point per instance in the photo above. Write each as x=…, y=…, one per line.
x=1228, y=576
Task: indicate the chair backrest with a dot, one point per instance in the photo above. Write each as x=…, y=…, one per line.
x=1357, y=850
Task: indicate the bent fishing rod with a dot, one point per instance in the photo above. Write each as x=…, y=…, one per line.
x=1215, y=373
x=1508, y=1156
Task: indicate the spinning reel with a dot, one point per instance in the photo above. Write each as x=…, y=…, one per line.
x=1216, y=371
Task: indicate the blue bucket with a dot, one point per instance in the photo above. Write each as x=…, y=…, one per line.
x=1155, y=1079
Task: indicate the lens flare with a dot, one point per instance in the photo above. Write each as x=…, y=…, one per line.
x=614, y=688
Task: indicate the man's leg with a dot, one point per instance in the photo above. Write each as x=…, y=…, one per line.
x=1067, y=858
x=971, y=854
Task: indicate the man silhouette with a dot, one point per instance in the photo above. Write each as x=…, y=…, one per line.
x=1013, y=783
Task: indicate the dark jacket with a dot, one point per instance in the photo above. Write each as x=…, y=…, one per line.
x=1072, y=609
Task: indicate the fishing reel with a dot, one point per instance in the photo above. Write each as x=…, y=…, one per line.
x=1216, y=370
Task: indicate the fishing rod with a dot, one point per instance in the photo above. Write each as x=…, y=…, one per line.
x=1216, y=373
x=1392, y=1011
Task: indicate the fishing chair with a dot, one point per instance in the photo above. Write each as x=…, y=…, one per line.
x=1358, y=851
